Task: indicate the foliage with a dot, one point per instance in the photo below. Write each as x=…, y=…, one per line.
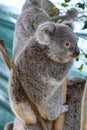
x=80, y=68
x=81, y=5
x=64, y=5
x=85, y=25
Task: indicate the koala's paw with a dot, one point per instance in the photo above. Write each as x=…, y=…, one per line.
x=64, y=108
x=9, y=126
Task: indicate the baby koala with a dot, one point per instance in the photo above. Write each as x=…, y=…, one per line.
x=43, y=65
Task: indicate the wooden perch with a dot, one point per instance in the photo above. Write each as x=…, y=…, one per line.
x=4, y=53
x=8, y=61
x=84, y=110
x=58, y=124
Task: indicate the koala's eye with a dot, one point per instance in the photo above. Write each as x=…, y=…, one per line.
x=67, y=44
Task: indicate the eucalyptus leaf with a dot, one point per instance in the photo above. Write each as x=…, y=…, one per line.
x=81, y=5
x=64, y=5
x=67, y=1
x=80, y=68
x=77, y=58
x=85, y=25
x=85, y=55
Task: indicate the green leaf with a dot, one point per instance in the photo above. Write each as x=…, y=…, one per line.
x=85, y=55
x=81, y=5
x=64, y=5
x=67, y=1
x=80, y=68
x=85, y=25
x=77, y=58
x=85, y=63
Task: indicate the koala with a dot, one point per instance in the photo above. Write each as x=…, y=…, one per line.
x=43, y=53
x=33, y=13
x=43, y=65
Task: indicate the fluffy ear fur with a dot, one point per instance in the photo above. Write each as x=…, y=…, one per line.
x=69, y=24
x=44, y=32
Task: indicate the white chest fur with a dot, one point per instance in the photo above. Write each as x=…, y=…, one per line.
x=52, y=83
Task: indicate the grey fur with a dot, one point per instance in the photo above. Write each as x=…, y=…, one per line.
x=42, y=73
x=71, y=14
x=32, y=15
x=42, y=60
x=9, y=126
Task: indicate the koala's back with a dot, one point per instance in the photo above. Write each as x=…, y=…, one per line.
x=26, y=26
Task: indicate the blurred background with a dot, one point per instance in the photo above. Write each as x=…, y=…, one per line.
x=9, y=11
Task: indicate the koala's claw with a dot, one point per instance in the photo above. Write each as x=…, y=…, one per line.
x=64, y=108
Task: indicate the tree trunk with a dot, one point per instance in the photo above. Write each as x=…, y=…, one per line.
x=74, y=96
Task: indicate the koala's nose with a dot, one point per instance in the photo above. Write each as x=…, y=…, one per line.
x=76, y=52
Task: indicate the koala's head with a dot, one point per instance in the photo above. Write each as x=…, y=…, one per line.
x=59, y=39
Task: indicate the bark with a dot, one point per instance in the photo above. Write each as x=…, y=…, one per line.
x=74, y=96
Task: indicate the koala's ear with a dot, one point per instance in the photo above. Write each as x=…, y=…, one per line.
x=69, y=24
x=49, y=28
x=44, y=32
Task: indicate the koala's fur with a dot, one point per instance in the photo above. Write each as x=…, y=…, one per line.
x=42, y=71
x=32, y=15
x=43, y=62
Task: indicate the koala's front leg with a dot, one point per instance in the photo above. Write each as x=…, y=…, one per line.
x=53, y=106
x=19, y=102
x=55, y=113
x=58, y=124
